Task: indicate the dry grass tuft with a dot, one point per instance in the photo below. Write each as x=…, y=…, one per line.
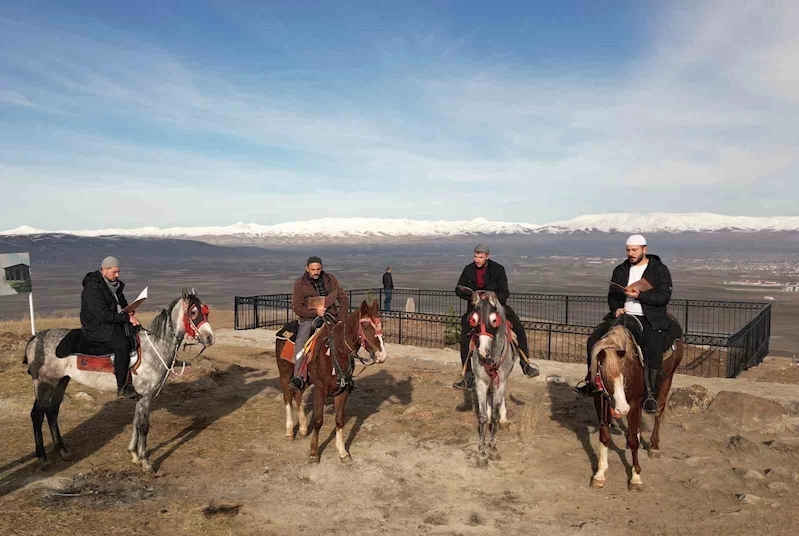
x=530, y=421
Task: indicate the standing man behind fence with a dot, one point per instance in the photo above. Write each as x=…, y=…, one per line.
x=388, y=288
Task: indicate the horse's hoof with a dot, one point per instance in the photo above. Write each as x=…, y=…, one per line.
x=346, y=459
x=65, y=455
x=654, y=454
x=135, y=458
x=597, y=484
x=42, y=464
x=482, y=461
x=494, y=456
x=146, y=467
x=313, y=460
x=636, y=486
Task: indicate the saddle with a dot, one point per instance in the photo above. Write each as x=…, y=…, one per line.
x=633, y=325
x=93, y=356
x=288, y=333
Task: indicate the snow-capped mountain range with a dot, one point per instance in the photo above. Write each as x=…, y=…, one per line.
x=326, y=228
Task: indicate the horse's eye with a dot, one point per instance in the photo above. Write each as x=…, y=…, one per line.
x=493, y=319
x=474, y=319
x=194, y=313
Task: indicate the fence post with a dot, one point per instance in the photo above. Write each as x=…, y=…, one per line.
x=380, y=299
x=236, y=312
x=255, y=310
x=549, y=340
x=400, y=327
x=687, y=306
x=567, y=311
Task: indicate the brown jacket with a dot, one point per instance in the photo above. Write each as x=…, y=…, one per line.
x=303, y=289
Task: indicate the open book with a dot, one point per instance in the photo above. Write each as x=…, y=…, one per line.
x=641, y=285
x=131, y=308
x=315, y=302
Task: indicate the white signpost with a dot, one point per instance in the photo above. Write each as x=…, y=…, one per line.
x=15, y=279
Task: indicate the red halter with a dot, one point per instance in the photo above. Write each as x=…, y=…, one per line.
x=362, y=336
x=189, y=326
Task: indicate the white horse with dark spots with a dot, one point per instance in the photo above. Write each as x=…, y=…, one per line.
x=159, y=343
x=493, y=353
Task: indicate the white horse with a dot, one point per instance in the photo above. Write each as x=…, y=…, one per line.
x=493, y=354
x=159, y=345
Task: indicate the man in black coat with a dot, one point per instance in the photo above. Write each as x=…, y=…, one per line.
x=388, y=288
x=648, y=306
x=104, y=323
x=485, y=274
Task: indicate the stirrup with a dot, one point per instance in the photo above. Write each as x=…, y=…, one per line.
x=297, y=384
x=650, y=405
x=529, y=369
x=584, y=388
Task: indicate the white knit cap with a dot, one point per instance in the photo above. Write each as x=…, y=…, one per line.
x=636, y=240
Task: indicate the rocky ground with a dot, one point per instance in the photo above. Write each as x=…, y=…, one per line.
x=730, y=462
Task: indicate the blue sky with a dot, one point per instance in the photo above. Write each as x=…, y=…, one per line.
x=195, y=114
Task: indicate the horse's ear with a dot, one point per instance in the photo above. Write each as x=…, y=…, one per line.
x=364, y=308
x=375, y=307
x=193, y=291
x=185, y=293
x=492, y=299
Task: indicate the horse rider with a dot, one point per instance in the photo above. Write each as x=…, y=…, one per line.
x=313, y=283
x=104, y=323
x=649, y=307
x=485, y=274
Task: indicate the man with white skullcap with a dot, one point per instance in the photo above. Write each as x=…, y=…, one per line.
x=104, y=323
x=648, y=306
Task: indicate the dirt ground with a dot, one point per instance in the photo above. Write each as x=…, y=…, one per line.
x=225, y=467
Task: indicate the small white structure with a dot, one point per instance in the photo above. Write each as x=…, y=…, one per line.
x=410, y=306
x=792, y=287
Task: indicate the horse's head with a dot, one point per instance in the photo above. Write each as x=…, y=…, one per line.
x=608, y=359
x=370, y=331
x=489, y=323
x=192, y=318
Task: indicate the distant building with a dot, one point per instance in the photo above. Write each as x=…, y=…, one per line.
x=18, y=272
x=792, y=287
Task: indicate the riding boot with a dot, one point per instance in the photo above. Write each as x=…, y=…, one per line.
x=466, y=383
x=652, y=387
x=529, y=369
x=585, y=387
x=125, y=389
x=297, y=382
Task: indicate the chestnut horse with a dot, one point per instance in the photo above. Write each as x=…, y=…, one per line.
x=618, y=373
x=330, y=371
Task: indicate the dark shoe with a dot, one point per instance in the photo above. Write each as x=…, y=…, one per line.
x=529, y=369
x=466, y=383
x=127, y=391
x=297, y=384
x=651, y=403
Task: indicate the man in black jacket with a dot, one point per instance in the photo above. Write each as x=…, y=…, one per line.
x=103, y=321
x=649, y=307
x=485, y=274
x=388, y=288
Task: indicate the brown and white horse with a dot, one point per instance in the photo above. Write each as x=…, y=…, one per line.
x=330, y=371
x=618, y=373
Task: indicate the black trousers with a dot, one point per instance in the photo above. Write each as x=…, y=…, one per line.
x=652, y=347
x=516, y=325
x=120, y=346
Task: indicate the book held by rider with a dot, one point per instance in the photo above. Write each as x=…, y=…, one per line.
x=641, y=285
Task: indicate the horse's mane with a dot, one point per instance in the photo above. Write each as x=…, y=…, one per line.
x=161, y=323
x=617, y=339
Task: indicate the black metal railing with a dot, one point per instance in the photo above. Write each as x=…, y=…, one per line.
x=722, y=338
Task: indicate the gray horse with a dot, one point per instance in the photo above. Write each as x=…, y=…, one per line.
x=159, y=346
x=493, y=354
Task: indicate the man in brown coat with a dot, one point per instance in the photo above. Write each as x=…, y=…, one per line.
x=314, y=282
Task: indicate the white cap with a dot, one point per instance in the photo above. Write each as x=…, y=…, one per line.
x=636, y=240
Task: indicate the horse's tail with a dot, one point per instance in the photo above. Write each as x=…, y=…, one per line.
x=25, y=356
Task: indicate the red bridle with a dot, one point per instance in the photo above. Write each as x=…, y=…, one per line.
x=378, y=325
x=189, y=326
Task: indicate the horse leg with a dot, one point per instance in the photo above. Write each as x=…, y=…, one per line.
x=52, y=418
x=496, y=412
x=481, y=390
x=318, y=420
x=503, y=414
x=633, y=442
x=303, y=418
x=144, y=429
x=287, y=396
x=598, y=480
x=341, y=405
x=134, y=437
x=42, y=393
x=663, y=394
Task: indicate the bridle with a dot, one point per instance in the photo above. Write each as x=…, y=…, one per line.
x=478, y=323
x=363, y=341
x=606, y=400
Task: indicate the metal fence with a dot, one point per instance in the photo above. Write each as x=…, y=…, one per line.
x=722, y=338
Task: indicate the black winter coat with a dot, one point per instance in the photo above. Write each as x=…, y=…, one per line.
x=654, y=301
x=494, y=280
x=98, y=308
x=388, y=280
